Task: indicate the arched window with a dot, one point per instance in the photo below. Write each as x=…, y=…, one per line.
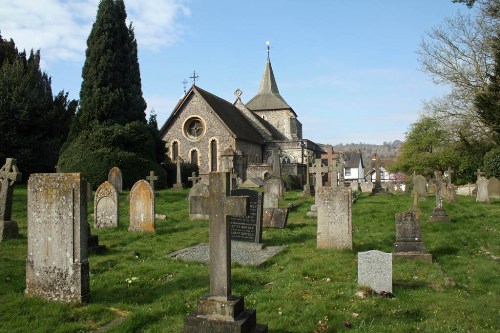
x=175, y=150
x=194, y=156
x=213, y=155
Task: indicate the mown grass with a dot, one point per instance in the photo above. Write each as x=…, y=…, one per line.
x=302, y=289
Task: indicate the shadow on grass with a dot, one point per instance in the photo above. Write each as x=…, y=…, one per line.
x=443, y=251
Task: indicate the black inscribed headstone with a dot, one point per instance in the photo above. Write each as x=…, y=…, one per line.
x=247, y=228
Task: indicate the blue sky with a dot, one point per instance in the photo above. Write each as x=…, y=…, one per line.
x=349, y=69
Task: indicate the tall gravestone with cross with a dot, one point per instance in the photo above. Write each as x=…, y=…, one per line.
x=318, y=169
x=178, y=185
x=377, y=188
x=439, y=214
x=220, y=311
x=151, y=179
x=276, y=163
x=307, y=185
x=9, y=174
x=449, y=189
x=194, y=179
x=482, y=187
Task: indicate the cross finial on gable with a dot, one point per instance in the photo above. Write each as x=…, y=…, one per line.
x=194, y=77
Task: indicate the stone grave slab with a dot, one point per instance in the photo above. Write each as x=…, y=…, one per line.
x=115, y=177
x=106, y=206
x=494, y=187
x=375, y=270
x=409, y=242
x=198, y=201
x=142, y=207
x=275, y=218
x=334, y=218
x=482, y=190
x=57, y=267
x=248, y=228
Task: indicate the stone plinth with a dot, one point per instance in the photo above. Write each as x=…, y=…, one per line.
x=409, y=237
x=439, y=215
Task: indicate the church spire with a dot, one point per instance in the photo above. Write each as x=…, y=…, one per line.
x=268, y=97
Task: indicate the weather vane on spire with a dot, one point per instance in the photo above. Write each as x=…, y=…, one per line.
x=185, y=82
x=194, y=77
x=268, y=43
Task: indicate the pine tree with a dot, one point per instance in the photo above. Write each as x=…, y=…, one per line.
x=111, y=89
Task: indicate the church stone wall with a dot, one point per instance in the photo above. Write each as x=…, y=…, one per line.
x=284, y=121
x=213, y=129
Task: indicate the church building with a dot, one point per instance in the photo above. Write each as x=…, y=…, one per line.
x=221, y=136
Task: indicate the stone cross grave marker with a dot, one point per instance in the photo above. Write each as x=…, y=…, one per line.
x=142, y=207
x=9, y=174
x=307, y=185
x=375, y=270
x=106, y=206
x=377, y=188
x=178, y=185
x=115, y=177
x=409, y=237
x=317, y=169
x=57, y=267
x=194, y=179
x=439, y=214
x=448, y=189
x=225, y=312
x=152, y=178
x=330, y=158
x=334, y=218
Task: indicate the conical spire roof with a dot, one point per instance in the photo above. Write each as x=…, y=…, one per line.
x=268, y=97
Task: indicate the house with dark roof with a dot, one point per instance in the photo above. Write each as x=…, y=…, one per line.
x=221, y=136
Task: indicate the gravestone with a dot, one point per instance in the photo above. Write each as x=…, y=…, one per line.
x=248, y=228
x=377, y=188
x=420, y=186
x=494, y=187
x=198, y=201
x=482, y=188
x=9, y=174
x=275, y=218
x=57, y=267
x=252, y=182
x=318, y=169
x=115, y=177
x=334, y=218
x=375, y=270
x=274, y=186
x=152, y=178
x=449, y=189
x=366, y=187
x=307, y=186
x=142, y=207
x=194, y=179
x=220, y=311
x=178, y=185
x=409, y=237
x=106, y=206
x=276, y=163
x=438, y=214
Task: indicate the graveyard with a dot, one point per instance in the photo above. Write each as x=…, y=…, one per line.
x=135, y=286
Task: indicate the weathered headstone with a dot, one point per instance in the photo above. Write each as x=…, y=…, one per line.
x=493, y=187
x=106, y=206
x=438, y=214
x=276, y=163
x=482, y=188
x=274, y=186
x=375, y=270
x=377, y=188
x=275, y=218
x=9, y=174
x=409, y=237
x=194, y=179
x=142, y=207
x=248, y=228
x=220, y=311
x=318, y=169
x=57, y=267
x=420, y=186
x=307, y=185
x=334, y=218
x=198, y=202
x=152, y=178
x=178, y=185
x=367, y=187
x=115, y=177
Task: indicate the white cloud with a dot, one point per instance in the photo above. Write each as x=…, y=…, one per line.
x=60, y=28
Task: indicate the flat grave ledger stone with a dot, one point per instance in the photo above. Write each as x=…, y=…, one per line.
x=115, y=177
x=106, y=206
x=420, y=186
x=482, y=190
x=198, y=202
x=142, y=207
x=375, y=270
x=9, y=174
x=248, y=228
x=57, y=267
x=220, y=311
x=409, y=242
x=493, y=187
x=334, y=218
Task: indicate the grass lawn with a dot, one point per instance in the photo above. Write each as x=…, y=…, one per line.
x=137, y=288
